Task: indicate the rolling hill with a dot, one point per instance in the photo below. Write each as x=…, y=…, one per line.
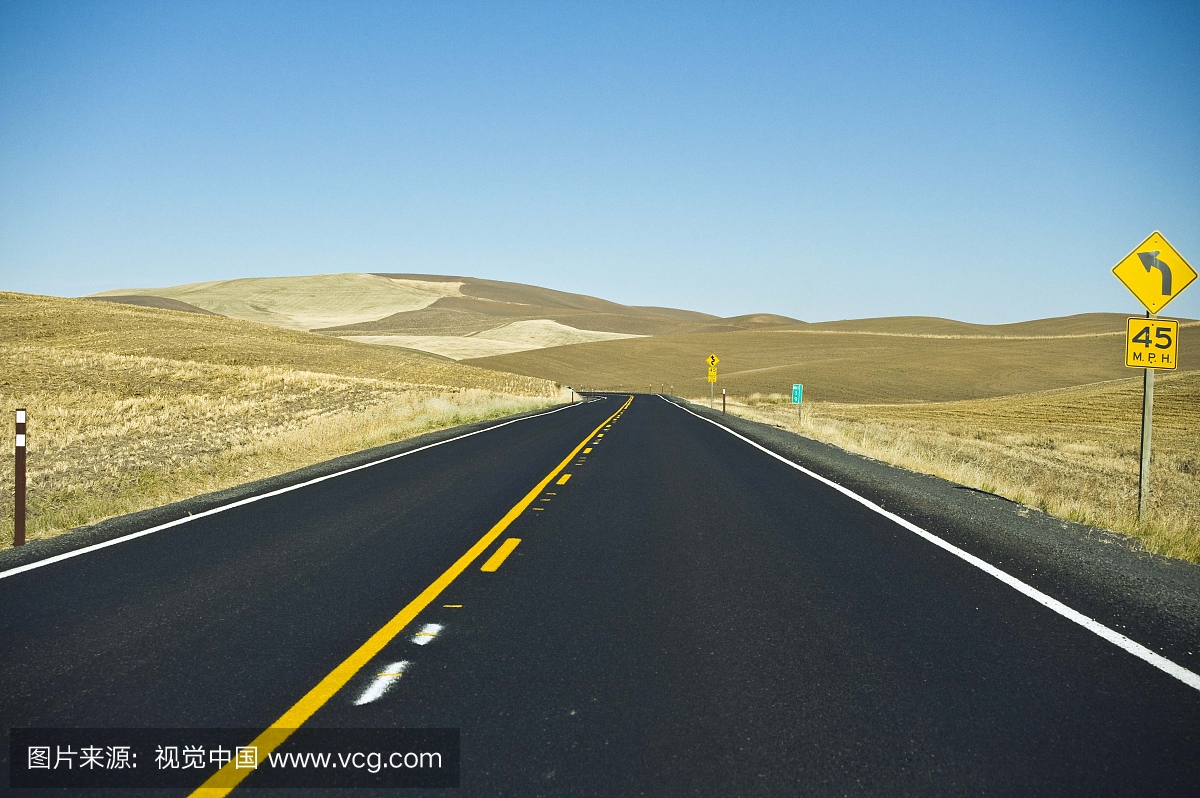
x=888, y=364
x=132, y=407
x=454, y=317
x=586, y=341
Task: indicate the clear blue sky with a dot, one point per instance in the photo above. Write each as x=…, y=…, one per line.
x=982, y=161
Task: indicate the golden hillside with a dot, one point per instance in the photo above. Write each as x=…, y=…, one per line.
x=455, y=317
x=121, y=329
x=134, y=407
x=840, y=366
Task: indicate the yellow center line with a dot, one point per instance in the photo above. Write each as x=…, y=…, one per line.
x=229, y=776
x=587, y=450
x=453, y=606
x=497, y=559
x=563, y=479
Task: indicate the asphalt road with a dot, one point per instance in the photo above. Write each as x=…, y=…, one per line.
x=685, y=615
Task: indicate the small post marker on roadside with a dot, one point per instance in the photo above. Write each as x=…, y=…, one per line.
x=1155, y=273
x=19, y=487
x=797, y=397
x=722, y=401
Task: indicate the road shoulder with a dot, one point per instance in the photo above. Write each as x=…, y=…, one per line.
x=1153, y=599
x=119, y=526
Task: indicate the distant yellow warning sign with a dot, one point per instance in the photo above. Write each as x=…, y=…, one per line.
x=1155, y=272
x=1151, y=343
x=712, y=361
x=712, y=373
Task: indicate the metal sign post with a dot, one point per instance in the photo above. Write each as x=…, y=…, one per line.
x=19, y=487
x=712, y=361
x=1147, y=426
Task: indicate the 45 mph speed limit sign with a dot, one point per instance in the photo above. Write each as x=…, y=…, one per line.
x=1151, y=343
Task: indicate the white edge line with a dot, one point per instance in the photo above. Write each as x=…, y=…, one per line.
x=1116, y=638
x=213, y=511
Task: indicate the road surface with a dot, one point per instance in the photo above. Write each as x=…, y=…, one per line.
x=683, y=615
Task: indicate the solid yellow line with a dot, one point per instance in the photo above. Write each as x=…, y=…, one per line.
x=229, y=776
x=497, y=559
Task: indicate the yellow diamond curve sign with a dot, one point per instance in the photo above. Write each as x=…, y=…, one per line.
x=1155, y=272
x=713, y=360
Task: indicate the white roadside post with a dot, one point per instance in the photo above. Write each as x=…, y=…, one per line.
x=19, y=483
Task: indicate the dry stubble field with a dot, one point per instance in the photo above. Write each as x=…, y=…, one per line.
x=1072, y=452
x=847, y=366
x=132, y=407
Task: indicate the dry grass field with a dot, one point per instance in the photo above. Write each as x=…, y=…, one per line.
x=1072, y=452
x=844, y=366
x=132, y=407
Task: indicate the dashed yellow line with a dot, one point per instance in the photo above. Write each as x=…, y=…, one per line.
x=497, y=559
x=563, y=479
x=587, y=450
x=229, y=776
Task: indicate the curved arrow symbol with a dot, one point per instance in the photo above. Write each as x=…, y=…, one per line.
x=1150, y=261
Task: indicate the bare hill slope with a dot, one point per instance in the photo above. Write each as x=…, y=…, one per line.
x=133, y=407
x=842, y=366
x=1081, y=324
x=430, y=312
x=579, y=339
x=74, y=325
